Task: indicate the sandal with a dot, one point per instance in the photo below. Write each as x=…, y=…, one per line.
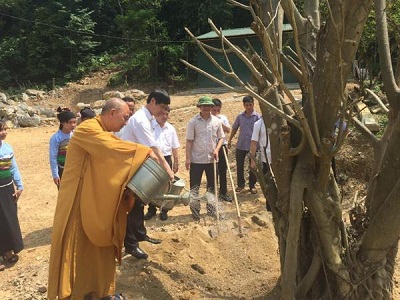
x=12, y=259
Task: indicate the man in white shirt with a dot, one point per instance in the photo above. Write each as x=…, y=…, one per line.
x=222, y=163
x=132, y=108
x=140, y=130
x=260, y=137
x=168, y=143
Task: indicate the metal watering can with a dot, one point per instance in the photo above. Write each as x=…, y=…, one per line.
x=152, y=185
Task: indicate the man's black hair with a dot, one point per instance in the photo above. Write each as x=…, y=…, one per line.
x=128, y=99
x=217, y=102
x=247, y=99
x=160, y=96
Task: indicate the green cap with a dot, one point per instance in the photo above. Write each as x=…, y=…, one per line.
x=205, y=101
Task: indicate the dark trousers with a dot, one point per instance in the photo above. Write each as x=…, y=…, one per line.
x=10, y=231
x=266, y=168
x=240, y=158
x=135, y=229
x=152, y=208
x=222, y=167
x=267, y=173
x=60, y=172
x=196, y=172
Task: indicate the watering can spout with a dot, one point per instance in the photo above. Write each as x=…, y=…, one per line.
x=183, y=199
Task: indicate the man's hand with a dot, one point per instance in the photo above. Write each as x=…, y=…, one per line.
x=57, y=181
x=175, y=166
x=17, y=194
x=215, y=154
x=187, y=164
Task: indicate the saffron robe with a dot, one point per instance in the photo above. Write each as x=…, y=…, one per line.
x=90, y=217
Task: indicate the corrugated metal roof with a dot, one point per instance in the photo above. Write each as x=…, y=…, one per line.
x=236, y=32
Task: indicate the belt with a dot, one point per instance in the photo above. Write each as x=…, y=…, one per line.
x=7, y=184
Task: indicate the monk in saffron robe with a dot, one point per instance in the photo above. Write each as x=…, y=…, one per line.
x=92, y=206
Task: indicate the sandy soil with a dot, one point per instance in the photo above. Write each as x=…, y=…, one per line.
x=196, y=260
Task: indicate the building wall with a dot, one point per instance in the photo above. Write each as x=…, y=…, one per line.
x=239, y=67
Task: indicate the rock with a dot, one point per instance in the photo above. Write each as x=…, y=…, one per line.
x=31, y=111
x=111, y=94
x=48, y=121
x=48, y=112
x=25, y=97
x=367, y=118
x=98, y=104
x=370, y=122
x=35, y=93
x=12, y=123
x=25, y=120
x=81, y=105
x=3, y=98
x=259, y=221
x=213, y=233
x=42, y=289
x=135, y=94
x=197, y=268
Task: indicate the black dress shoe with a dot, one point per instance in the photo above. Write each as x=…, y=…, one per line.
x=225, y=197
x=152, y=240
x=137, y=252
x=163, y=216
x=149, y=215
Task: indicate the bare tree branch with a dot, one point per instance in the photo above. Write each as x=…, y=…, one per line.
x=237, y=51
x=270, y=78
x=209, y=76
x=305, y=81
x=378, y=100
x=218, y=50
x=246, y=7
x=373, y=140
x=291, y=65
x=391, y=88
x=260, y=29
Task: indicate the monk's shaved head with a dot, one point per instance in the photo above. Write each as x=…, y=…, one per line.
x=113, y=103
x=114, y=114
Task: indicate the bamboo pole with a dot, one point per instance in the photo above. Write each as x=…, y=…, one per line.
x=234, y=194
x=216, y=192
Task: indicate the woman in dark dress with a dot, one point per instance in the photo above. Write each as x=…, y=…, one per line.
x=10, y=189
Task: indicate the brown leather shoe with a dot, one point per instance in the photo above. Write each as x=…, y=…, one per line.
x=238, y=189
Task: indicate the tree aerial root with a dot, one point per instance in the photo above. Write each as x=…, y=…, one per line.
x=310, y=277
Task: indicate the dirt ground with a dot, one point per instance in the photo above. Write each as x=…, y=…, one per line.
x=193, y=261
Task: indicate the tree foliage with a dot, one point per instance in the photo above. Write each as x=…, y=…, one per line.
x=42, y=40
